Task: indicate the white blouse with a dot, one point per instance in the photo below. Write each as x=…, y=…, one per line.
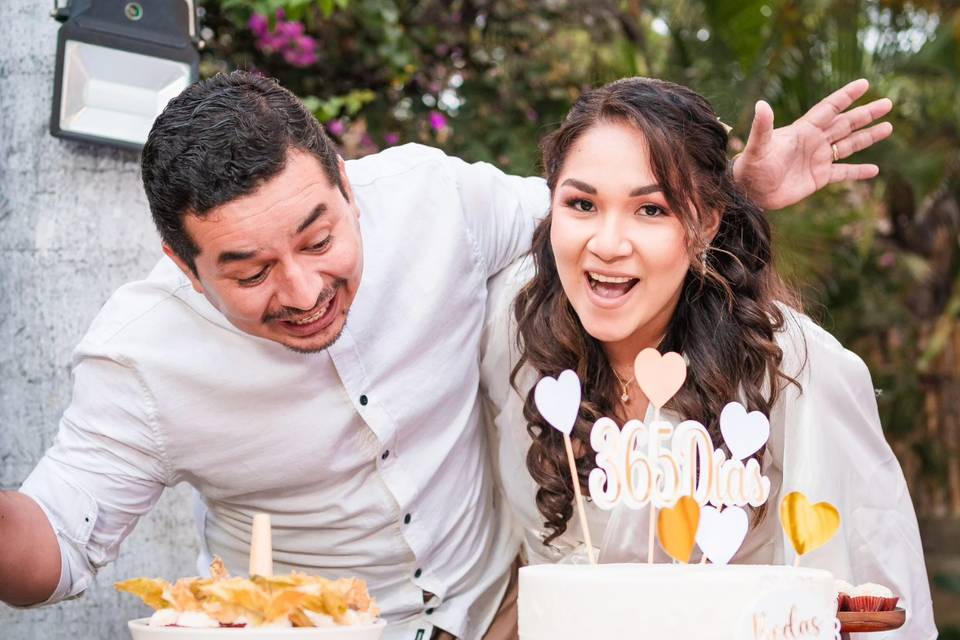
x=825, y=440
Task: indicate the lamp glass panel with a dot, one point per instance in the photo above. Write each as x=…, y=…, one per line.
x=115, y=94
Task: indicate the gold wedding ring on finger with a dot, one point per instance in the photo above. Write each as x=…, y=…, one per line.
x=836, y=152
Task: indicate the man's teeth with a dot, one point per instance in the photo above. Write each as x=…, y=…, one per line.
x=312, y=317
x=611, y=279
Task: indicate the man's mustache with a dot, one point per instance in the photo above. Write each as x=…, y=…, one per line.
x=290, y=313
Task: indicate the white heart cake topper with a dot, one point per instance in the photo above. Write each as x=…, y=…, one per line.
x=721, y=533
x=558, y=400
x=743, y=432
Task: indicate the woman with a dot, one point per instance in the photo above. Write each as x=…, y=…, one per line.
x=651, y=243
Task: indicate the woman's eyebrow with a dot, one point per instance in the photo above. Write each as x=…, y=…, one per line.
x=642, y=191
x=583, y=186
x=579, y=184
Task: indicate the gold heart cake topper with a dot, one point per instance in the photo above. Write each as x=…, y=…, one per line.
x=677, y=528
x=809, y=526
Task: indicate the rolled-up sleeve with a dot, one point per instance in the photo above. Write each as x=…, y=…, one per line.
x=105, y=469
x=501, y=210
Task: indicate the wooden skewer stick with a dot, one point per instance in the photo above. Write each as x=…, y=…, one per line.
x=652, y=532
x=576, y=492
x=261, y=546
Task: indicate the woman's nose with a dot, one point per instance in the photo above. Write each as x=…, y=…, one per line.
x=608, y=242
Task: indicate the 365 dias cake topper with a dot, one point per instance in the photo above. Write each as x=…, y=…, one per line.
x=696, y=494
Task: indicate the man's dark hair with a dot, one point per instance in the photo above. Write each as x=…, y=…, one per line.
x=220, y=140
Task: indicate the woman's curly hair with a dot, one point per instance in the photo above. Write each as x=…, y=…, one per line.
x=727, y=314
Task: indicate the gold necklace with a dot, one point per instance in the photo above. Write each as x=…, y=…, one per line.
x=625, y=398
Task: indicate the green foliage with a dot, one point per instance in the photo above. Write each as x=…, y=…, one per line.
x=879, y=263
x=349, y=105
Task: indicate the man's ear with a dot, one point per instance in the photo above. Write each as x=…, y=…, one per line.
x=187, y=271
x=347, y=189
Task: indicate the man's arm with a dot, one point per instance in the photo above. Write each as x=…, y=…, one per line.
x=85, y=495
x=30, y=561
x=780, y=167
x=501, y=210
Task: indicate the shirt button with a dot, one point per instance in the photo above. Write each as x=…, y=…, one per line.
x=428, y=611
x=406, y=519
x=385, y=454
x=364, y=400
x=417, y=573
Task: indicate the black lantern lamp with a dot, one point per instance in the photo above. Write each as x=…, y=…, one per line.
x=118, y=64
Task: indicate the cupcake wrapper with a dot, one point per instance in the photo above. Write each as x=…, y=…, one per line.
x=871, y=603
x=843, y=602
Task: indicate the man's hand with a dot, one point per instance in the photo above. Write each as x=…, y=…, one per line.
x=780, y=167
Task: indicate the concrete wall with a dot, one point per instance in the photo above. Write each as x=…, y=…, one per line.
x=74, y=225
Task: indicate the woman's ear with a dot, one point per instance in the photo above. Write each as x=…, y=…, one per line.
x=711, y=225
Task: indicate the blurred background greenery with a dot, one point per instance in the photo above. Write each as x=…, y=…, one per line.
x=878, y=263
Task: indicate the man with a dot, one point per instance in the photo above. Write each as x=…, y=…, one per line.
x=233, y=366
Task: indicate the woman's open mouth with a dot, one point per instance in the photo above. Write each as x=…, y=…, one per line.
x=609, y=287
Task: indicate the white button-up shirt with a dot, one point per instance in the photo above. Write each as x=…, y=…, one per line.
x=369, y=456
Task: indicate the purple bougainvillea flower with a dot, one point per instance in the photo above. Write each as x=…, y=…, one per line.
x=259, y=25
x=391, y=138
x=290, y=29
x=336, y=127
x=888, y=260
x=437, y=120
x=288, y=38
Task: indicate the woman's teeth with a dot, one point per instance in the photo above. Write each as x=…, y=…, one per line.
x=610, y=286
x=612, y=279
x=313, y=317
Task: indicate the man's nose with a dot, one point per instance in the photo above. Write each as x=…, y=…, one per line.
x=299, y=287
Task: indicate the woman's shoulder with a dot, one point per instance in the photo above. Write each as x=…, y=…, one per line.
x=811, y=354
x=503, y=287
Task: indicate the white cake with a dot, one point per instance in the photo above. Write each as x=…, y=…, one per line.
x=706, y=602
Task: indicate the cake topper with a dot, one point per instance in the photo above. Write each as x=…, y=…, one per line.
x=721, y=533
x=558, y=401
x=656, y=464
x=660, y=377
x=700, y=493
x=744, y=433
x=677, y=528
x=809, y=526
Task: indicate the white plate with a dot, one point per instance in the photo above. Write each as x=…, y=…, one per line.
x=142, y=631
